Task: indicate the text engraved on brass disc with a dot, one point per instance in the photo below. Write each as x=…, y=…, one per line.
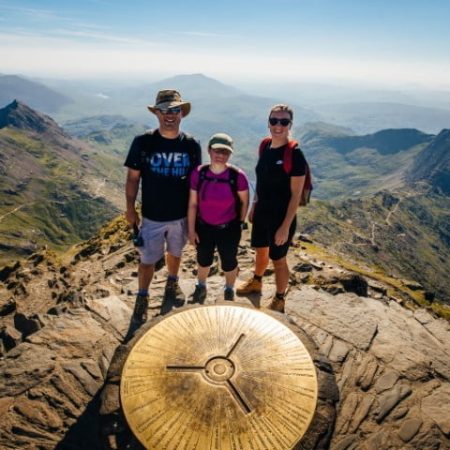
x=219, y=377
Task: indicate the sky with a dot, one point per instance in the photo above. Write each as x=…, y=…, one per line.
x=380, y=42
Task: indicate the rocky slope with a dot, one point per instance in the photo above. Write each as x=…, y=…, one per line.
x=432, y=164
x=63, y=322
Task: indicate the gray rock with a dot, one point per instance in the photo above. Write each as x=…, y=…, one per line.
x=409, y=429
x=334, y=314
x=361, y=412
x=10, y=337
x=437, y=407
x=390, y=399
x=386, y=381
x=339, y=351
x=346, y=443
x=366, y=373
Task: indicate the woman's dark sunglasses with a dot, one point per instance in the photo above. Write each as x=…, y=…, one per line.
x=283, y=122
x=174, y=110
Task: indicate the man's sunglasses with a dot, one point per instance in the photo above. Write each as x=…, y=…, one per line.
x=283, y=122
x=174, y=110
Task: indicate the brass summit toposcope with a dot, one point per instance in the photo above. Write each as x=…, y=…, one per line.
x=220, y=377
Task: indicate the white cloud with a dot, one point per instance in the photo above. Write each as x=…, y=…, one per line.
x=97, y=36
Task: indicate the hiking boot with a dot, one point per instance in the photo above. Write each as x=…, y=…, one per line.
x=140, y=309
x=228, y=294
x=199, y=294
x=173, y=293
x=253, y=286
x=277, y=304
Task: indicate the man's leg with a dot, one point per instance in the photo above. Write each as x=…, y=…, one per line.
x=152, y=235
x=176, y=238
x=173, y=264
x=145, y=276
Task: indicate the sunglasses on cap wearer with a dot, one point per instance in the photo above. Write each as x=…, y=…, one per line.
x=283, y=122
x=221, y=151
x=173, y=110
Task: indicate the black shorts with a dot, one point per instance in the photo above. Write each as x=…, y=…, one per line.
x=263, y=235
x=225, y=239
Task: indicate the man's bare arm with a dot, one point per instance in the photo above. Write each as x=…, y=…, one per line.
x=131, y=192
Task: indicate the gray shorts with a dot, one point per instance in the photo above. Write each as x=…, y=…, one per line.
x=155, y=234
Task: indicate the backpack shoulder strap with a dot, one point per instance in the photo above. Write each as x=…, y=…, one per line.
x=192, y=146
x=233, y=180
x=201, y=175
x=234, y=173
x=148, y=138
x=264, y=144
x=288, y=155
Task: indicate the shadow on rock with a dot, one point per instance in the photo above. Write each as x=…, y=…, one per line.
x=85, y=432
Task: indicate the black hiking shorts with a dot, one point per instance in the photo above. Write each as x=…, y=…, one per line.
x=263, y=235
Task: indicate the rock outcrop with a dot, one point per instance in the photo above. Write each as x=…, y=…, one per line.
x=63, y=322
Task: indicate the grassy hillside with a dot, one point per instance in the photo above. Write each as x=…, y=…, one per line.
x=53, y=192
x=406, y=233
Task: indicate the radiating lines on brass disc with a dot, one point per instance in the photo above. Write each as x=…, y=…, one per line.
x=219, y=377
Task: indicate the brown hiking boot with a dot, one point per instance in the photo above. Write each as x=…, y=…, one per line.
x=140, y=309
x=173, y=293
x=277, y=304
x=253, y=286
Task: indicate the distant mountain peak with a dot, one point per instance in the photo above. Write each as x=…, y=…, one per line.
x=197, y=83
x=21, y=116
x=32, y=93
x=432, y=164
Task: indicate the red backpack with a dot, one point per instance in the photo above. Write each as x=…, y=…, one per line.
x=287, y=166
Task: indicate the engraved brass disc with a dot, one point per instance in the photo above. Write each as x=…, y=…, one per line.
x=219, y=377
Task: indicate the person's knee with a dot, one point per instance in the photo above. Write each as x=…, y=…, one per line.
x=229, y=265
x=205, y=260
x=280, y=262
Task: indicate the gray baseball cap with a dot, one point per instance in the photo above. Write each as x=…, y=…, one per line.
x=221, y=140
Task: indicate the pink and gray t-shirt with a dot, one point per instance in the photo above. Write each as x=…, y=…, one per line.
x=216, y=201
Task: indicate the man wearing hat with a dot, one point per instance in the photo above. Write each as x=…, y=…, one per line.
x=161, y=160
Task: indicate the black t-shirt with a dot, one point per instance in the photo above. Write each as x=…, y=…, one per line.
x=273, y=184
x=165, y=165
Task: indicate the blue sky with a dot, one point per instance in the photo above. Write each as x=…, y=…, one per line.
x=380, y=42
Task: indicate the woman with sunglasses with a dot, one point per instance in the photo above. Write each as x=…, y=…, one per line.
x=274, y=207
x=218, y=204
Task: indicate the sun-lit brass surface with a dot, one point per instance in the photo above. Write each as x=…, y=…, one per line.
x=219, y=377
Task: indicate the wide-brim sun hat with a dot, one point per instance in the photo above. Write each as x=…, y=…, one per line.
x=221, y=140
x=169, y=98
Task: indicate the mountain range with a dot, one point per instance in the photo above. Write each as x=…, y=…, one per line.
x=379, y=198
x=34, y=94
